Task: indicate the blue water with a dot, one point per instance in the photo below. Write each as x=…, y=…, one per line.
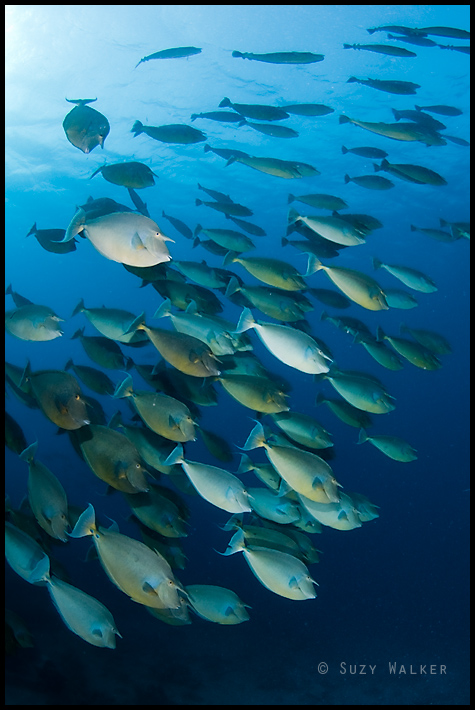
x=396, y=589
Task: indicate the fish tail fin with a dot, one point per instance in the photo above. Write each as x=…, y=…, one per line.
x=347, y=179
x=175, y=457
x=81, y=102
x=245, y=465
x=25, y=376
x=96, y=171
x=164, y=309
x=142, y=60
x=78, y=334
x=124, y=388
x=28, y=454
x=234, y=523
x=229, y=258
x=246, y=321
x=207, y=148
x=33, y=230
x=137, y=128
x=320, y=399
x=314, y=265
x=362, y=437
x=79, y=308
x=238, y=54
x=291, y=198
x=41, y=572
x=236, y=544
x=292, y=216
x=69, y=364
x=396, y=114
x=344, y=119
x=284, y=241
x=344, y=149
x=380, y=334
x=198, y=202
x=351, y=80
x=225, y=102
x=232, y=287
x=9, y=290
x=256, y=438
x=86, y=523
x=377, y=264
x=136, y=324
x=377, y=167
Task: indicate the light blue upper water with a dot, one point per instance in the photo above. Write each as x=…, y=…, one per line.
x=394, y=590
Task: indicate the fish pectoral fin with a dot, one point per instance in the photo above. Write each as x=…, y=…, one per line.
x=148, y=589
x=136, y=242
x=172, y=423
x=293, y=583
x=60, y=406
x=194, y=357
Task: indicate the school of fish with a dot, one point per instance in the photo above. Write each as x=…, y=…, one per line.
x=297, y=493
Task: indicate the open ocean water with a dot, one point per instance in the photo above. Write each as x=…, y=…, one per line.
x=389, y=624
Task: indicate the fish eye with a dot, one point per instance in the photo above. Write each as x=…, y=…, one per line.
x=137, y=465
x=76, y=396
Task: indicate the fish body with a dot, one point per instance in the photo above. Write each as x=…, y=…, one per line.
x=392, y=446
x=275, y=131
x=271, y=271
x=84, y=615
x=331, y=228
x=320, y=201
x=370, y=182
x=286, y=169
x=290, y=346
x=413, y=278
x=33, y=322
x=173, y=53
x=389, y=85
x=172, y=133
x=279, y=572
x=227, y=208
x=52, y=240
x=46, y=496
x=412, y=173
x=113, y=323
x=398, y=131
x=254, y=392
x=59, y=397
x=216, y=485
x=128, y=238
x=389, y=49
x=414, y=352
x=141, y=573
x=282, y=57
x=163, y=414
x=303, y=429
x=217, y=604
x=362, y=392
x=359, y=287
x=85, y=127
x=24, y=555
x=133, y=174
x=114, y=459
x=259, y=111
x=303, y=471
